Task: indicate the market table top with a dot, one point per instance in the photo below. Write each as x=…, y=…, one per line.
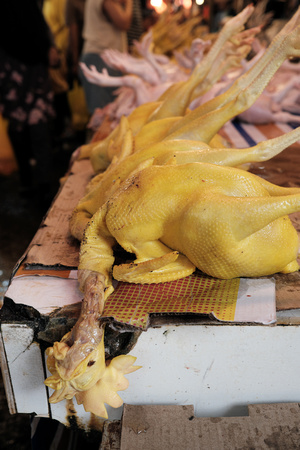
x=54, y=254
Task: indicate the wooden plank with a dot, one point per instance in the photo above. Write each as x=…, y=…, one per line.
x=175, y=427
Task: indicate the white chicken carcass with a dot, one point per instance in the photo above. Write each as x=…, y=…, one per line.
x=276, y=106
x=145, y=79
x=143, y=91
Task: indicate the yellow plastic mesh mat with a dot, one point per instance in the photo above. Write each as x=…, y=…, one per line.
x=198, y=293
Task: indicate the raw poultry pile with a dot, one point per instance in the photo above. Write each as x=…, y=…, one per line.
x=148, y=75
x=145, y=78
x=171, y=194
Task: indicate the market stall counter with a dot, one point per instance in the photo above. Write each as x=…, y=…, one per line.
x=218, y=345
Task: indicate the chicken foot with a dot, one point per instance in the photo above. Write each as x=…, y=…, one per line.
x=77, y=362
x=246, y=89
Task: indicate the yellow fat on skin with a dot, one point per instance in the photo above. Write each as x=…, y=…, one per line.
x=225, y=221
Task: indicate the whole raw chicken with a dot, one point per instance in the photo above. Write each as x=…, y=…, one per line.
x=225, y=221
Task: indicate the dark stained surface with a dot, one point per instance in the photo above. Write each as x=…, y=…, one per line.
x=19, y=220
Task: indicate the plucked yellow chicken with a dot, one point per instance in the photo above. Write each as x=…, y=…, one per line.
x=173, y=31
x=192, y=134
x=225, y=221
x=176, y=217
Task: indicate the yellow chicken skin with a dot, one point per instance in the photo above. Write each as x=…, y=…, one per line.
x=98, y=151
x=225, y=221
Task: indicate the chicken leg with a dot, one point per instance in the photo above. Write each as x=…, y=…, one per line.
x=77, y=363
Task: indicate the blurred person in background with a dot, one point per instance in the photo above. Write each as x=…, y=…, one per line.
x=27, y=51
x=74, y=14
x=106, y=23
x=54, y=13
